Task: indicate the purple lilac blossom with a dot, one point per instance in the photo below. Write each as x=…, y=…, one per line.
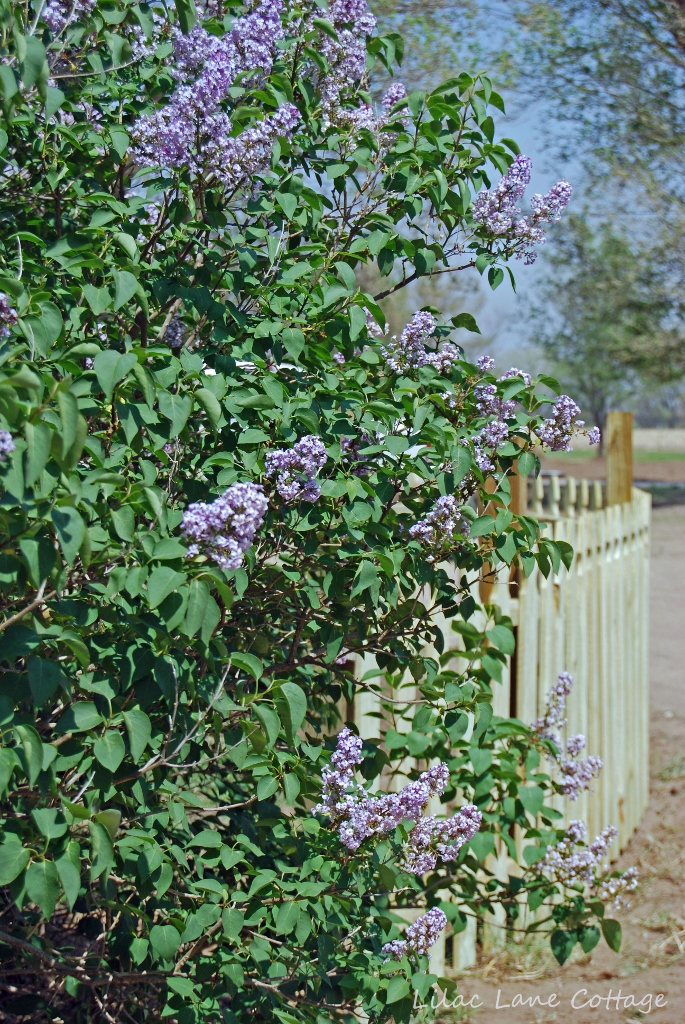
x=515, y=372
x=296, y=469
x=409, y=352
x=393, y=95
x=576, y=775
x=57, y=14
x=486, y=442
x=8, y=316
x=497, y=211
x=7, y=444
x=489, y=403
x=566, y=863
x=612, y=891
x=346, y=55
x=224, y=529
x=174, y=333
x=169, y=138
x=441, y=529
x=593, y=435
x=419, y=936
x=433, y=838
x=557, y=431
x=373, y=328
x=485, y=364
x=359, y=816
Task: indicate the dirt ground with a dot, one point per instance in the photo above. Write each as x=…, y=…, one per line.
x=646, y=980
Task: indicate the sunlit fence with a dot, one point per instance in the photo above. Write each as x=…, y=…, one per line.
x=590, y=620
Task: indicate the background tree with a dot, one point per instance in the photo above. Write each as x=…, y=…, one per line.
x=610, y=325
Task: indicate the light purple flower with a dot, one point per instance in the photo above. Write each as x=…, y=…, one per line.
x=7, y=444
x=419, y=936
x=485, y=364
x=433, y=838
x=497, y=212
x=8, y=315
x=57, y=14
x=567, y=861
x=593, y=435
x=556, y=431
x=515, y=372
x=224, y=529
x=576, y=774
x=441, y=529
x=409, y=352
x=296, y=469
x=393, y=95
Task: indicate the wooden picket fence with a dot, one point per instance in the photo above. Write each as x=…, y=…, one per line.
x=592, y=621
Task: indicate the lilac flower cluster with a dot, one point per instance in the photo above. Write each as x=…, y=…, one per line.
x=489, y=403
x=434, y=837
x=485, y=364
x=192, y=131
x=557, y=431
x=373, y=328
x=515, y=372
x=612, y=890
x=497, y=211
x=442, y=528
x=567, y=863
x=359, y=816
x=8, y=316
x=57, y=14
x=409, y=352
x=487, y=442
x=174, y=333
x=297, y=468
x=576, y=775
x=393, y=95
x=224, y=529
x=346, y=56
x=7, y=444
x=420, y=936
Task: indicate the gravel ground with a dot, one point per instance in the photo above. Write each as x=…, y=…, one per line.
x=646, y=980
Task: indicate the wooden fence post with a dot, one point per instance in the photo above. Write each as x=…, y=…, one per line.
x=619, y=449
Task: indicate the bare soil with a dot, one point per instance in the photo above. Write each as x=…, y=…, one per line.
x=606, y=987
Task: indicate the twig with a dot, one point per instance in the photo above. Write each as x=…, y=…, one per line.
x=37, y=601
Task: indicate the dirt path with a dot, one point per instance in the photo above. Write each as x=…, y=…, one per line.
x=610, y=988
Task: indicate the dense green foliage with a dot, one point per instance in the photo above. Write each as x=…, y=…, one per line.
x=165, y=721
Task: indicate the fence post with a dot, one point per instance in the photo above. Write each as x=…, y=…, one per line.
x=619, y=449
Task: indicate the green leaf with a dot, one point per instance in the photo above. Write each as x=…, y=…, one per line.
x=266, y=787
x=8, y=762
x=138, y=950
x=139, y=729
x=30, y=752
x=165, y=938
x=124, y=522
x=269, y=721
x=33, y=65
x=111, y=367
x=198, y=598
x=80, y=717
x=98, y=299
x=44, y=679
x=562, y=944
x=187, y=17
x=46, y=819
x=109, y=750
x=102, y=853
x=111, y=819
x=366, y=576
x=295, y=707
x=532, y=798
x=232, y=921
x=287, y=917
x=589, y=937
x=291, y=788
x=502, y=638
x=54, y=98
x=398, y=988
x=125, y=286
x=42, y=885
x=525, y=463
x=69, y=871
x=611, y=930
x=13, y=860
x=176, y=408
x=208, y=401
x=466, y=321
x=162, y=582
x=38, y=443
x=39, y=555
x=248, y=663
x=71, y=531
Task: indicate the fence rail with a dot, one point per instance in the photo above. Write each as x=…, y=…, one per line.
x=592, y=621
